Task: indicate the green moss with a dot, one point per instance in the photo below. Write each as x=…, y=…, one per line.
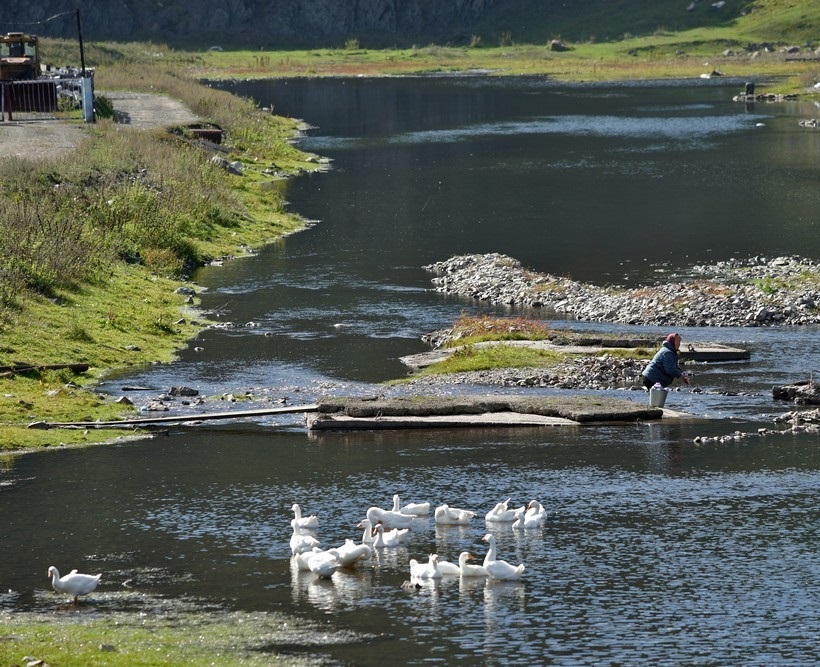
x=151, y=640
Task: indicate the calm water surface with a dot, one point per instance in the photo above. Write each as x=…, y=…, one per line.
x=657, y=550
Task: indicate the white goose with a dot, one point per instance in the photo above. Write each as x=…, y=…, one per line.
x=448, y=568
x=351, y=553
x=302, y=541
x=311, y=522
x=389, y=518
x=324, y=563
x=74, y=583
x=391, y=538
x=367, y=536
x=428, y=570
x=523, y=520
x=468, y=569
x=536, y=514
x=450, y=516
x=301, y=559
x=414, y=509
x=500, y=569
x=502, y=513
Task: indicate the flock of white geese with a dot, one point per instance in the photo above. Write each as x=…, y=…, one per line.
x=384, y=529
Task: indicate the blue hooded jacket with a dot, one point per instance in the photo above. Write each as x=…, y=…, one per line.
x=664, y=366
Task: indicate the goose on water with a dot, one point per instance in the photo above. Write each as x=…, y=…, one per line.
x=415, y=509
x=500, y=569
x=311, y=522
x=524, y=520
x=301, y=559
x=367, y=536
x=74, y=583
x=302, y=540
x=393, y=538
x=468, y=569
x=389, y=518
x=450, y=516
x=536, y=513
x=502, y=513
x=448, y=568
x=324, y=563
x=351, y=553
x=428, y=570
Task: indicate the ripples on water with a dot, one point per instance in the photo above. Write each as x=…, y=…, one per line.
x=656, y=552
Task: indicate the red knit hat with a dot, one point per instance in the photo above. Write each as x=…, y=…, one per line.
x=671, y=338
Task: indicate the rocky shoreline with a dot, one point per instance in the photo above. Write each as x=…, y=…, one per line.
x=735, y=293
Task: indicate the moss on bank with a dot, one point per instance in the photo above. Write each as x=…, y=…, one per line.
x=162, y=637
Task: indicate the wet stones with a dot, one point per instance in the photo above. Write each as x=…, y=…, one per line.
x=754, y=292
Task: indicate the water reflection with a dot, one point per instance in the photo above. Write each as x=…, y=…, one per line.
x=656, y=550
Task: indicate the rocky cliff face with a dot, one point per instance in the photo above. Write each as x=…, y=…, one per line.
x=249, y=23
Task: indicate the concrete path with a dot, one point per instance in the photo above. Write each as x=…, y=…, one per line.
x=50, y=139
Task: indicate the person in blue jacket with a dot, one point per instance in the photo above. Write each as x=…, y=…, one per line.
x=664, y=367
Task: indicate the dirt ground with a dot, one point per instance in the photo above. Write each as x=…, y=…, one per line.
x=48, y=139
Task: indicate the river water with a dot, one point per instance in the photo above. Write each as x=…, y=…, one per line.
x=657, y=550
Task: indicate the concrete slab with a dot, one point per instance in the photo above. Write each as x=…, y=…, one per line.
x=693, y=352
x=325, y=422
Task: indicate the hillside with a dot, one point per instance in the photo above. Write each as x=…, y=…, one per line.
x=255, y=24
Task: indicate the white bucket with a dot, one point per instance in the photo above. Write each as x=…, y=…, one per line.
x=657, y=397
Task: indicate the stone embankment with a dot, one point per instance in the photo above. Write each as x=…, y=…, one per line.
x=752, y=292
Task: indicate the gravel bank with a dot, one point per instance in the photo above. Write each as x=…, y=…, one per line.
x=753, y=292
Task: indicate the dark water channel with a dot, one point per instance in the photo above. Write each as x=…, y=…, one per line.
x=658, y=551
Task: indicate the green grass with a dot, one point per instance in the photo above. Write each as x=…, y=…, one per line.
x=145, y=640
x=472, y=358
x=93, y=247
x=469, y=329
x=641, y=41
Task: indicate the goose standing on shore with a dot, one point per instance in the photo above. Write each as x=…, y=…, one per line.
x=74, y=583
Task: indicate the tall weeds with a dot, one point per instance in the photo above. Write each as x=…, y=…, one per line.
x=147, y=196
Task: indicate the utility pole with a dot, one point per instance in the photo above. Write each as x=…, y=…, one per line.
x=80, y=34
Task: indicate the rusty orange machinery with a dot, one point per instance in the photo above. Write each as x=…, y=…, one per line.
x=19, y=57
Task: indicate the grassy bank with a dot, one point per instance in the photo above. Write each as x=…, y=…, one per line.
x=659, y=56
x=169, y=633
x=94, y=247
x=605, y=41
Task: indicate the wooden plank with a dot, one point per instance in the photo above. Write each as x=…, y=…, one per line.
x=144, y=421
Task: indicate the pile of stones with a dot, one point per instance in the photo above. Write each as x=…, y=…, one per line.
x=797, y=421
x=754, y=292
x=584, y=372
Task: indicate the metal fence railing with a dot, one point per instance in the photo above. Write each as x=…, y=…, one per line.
x=40, y=99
